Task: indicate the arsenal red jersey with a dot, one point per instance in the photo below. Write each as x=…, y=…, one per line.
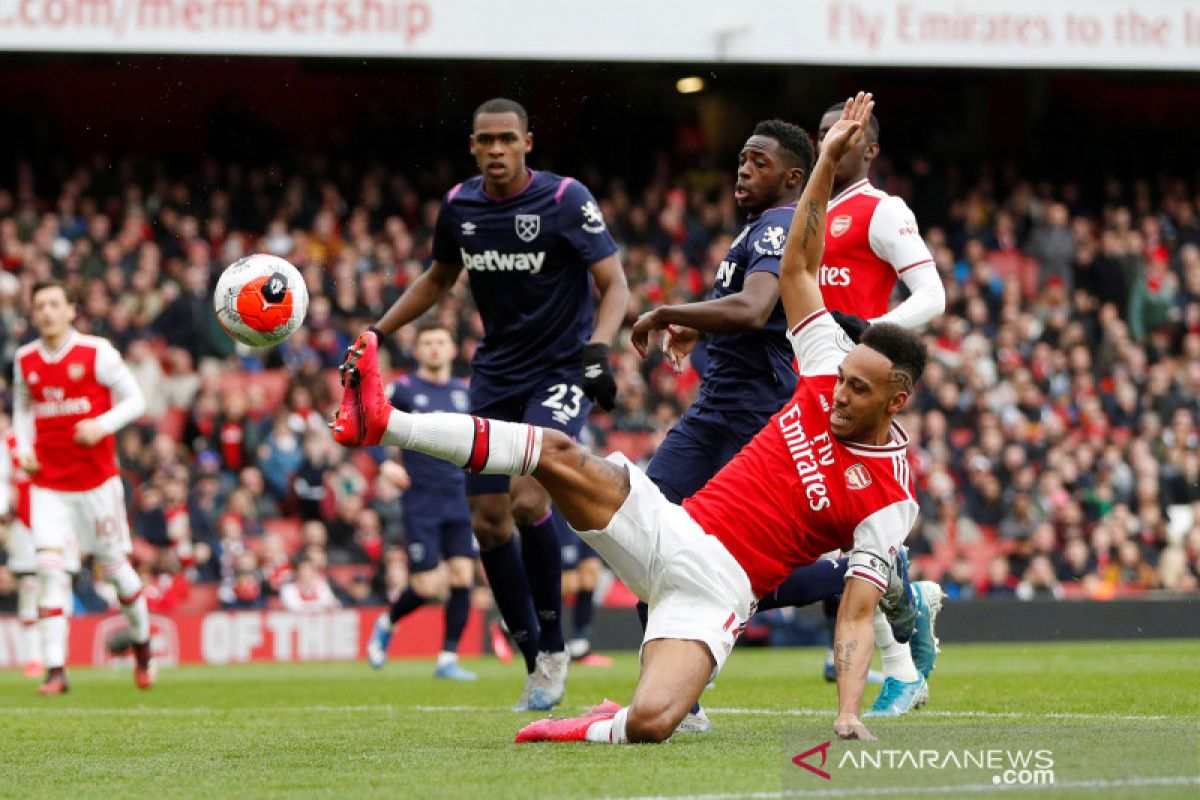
x=796, y=492
x=871, y=238
x=65, y=388
x=18, y=479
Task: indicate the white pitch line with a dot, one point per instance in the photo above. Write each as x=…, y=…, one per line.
x=374, y=709
x=966, y=788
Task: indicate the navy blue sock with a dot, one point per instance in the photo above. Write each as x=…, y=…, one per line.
x=583, y=614
x=543, y=563
x=643, y=612
x=408, y=602
x=506, y=575
x=817, y=581
x=457, y=607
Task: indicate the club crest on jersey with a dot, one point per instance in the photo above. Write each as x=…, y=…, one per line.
x=75, y=372
x=772, y=241
x=593, y=217
x=528, y=226
x=459, y=400
x=34, y=379
x=840, y=225
x=857, y=477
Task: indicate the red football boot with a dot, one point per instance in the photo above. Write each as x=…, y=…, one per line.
x=607, y=707
x=55, y=683
x=144, y=671
x=363, y=415
x=562, y=730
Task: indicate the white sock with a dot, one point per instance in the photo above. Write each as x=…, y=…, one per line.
x=610, y=731
x=54, y=595
x=446, y=657
x=897, y=660
x=27, y=598
x=476, y=444
x=125, y=580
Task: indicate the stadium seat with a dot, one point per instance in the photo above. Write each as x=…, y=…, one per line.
x=288, y=528
x=634, y=444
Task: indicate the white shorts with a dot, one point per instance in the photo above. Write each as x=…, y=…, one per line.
x=695, y=589
x=93, y=522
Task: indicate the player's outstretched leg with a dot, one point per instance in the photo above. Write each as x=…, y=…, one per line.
x=587, y=490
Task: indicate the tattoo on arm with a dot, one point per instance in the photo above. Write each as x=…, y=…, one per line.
x=810, y=224
x=844, y=655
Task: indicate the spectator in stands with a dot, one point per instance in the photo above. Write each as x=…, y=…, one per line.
x=1000, y=580
x=309, y=592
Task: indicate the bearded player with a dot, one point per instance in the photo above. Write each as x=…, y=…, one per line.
x=828, y=471
x=534, y=246
x=72, y=394
x=872, y=242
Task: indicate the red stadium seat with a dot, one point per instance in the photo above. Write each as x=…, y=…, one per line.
x=635, y=445
x=202, y=598
x=288, y=528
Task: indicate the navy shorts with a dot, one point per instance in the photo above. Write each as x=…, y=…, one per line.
x=573, y=548
x=437, y=526
x=556, y=402
x=703, y=441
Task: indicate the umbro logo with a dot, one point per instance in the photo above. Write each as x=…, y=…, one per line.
x=593, y=371
x=468, y=228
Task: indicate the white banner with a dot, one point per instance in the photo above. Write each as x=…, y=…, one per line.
x=1111, y=34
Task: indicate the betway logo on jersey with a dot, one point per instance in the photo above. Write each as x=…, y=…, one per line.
x=809, y=455
x=833, y=276
x=495, y=261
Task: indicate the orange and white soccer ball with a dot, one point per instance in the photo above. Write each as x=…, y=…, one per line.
x=260, y=300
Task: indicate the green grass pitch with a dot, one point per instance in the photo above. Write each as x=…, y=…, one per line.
x=1125, y=713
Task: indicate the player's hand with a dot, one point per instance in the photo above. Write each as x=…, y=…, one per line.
x=88, y=432
x=29, y=463
x=848, y=726
x=639, y=334
x=854, y=326
x=678, y=344
x=849, y=130
x=395, y=472
x=598, y=382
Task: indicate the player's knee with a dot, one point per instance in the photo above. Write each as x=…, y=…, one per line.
x=652, y=720
x=428, y=584
x=491, y=531
x=556, y=448
x=530, y=504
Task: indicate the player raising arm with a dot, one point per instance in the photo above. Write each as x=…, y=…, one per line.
x=827, y=471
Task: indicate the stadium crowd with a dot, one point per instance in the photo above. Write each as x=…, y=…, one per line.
x=1056, y=439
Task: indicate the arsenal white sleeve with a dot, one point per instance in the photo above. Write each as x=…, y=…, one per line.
x=876, y=541
x=6, y=488
x=895, y=238
x=22, y=417
x=128, y=402
x=819, y=344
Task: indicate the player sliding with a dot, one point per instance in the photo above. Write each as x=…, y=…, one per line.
x=828, y=471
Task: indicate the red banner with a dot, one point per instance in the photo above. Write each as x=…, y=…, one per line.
x=240, y=637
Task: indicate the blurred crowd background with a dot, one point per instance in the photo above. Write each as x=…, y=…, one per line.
x=1056, y=444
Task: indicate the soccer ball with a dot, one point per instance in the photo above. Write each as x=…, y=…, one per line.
x=260, y=300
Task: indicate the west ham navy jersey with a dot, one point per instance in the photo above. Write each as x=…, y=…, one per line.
x=527, y=258
x=752, y=369
x=414, y=394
